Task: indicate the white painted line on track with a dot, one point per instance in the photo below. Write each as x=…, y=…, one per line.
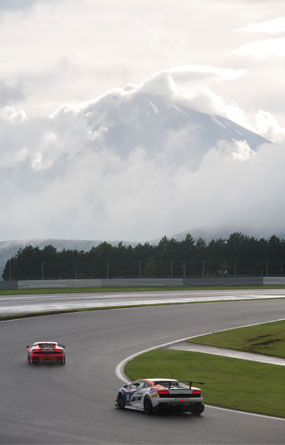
x=246, y=413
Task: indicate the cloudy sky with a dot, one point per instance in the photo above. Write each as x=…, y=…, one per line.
x=226, y=56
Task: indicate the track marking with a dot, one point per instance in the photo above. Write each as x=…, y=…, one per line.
x=245, y=412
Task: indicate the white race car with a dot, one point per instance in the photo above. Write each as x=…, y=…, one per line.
x=150, y=395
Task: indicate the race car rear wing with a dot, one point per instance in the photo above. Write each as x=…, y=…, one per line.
x=61, y=346
x=187, y=382
x=190, y=383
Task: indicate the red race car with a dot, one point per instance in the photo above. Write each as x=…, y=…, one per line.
x=46, y=351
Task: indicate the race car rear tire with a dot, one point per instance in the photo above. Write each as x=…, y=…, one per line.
x=147, y=405
x=197, y=409
x=120, y=401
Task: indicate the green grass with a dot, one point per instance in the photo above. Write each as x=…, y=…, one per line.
x=267, y=338
x=229, y=383
x=128, y=289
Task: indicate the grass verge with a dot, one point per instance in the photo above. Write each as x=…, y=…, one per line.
x=229, y=383
x=128, y=289
x=267, y=338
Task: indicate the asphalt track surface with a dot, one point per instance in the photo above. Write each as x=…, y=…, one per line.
x=74, y=404
x=17, y=304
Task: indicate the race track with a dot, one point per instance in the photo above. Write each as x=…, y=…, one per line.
x=74, y=404
x=31, y=303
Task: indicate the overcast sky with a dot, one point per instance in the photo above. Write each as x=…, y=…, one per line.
x=228, y=55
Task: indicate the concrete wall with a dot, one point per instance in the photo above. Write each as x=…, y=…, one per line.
x=140, y=282
x=64, y=284
x=273, y=280
x=8, y=285
x=99, y=283
x=231, y=281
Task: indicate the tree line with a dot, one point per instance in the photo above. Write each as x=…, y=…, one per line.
x=238, y=255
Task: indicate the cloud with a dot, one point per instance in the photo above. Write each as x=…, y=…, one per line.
x=266, y=47
x=11, y=5
x=268, y=126
x=269, y=47
x=139, y=198
x=205, y=73
x=66, y=179
x=53, y=48
x=20, y=5
x=189, y=86
x=10, y=94
x=237, y=150
x=273, y=26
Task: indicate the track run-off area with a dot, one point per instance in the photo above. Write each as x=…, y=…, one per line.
x=17, y=304
x=74, y=404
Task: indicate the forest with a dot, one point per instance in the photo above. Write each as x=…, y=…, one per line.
x=237, y=255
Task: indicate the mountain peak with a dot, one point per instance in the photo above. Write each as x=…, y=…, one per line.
x=154, y=118
x=160, y=84
x=106, y=169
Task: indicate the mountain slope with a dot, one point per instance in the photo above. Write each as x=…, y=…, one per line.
x=124, y=166
x=158, y=124
x=44, y=150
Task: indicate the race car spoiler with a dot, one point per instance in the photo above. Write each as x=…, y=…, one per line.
x=49, y=347
x=188, y=382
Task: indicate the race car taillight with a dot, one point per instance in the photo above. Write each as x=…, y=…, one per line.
x=196, y=392
x=163, y=393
